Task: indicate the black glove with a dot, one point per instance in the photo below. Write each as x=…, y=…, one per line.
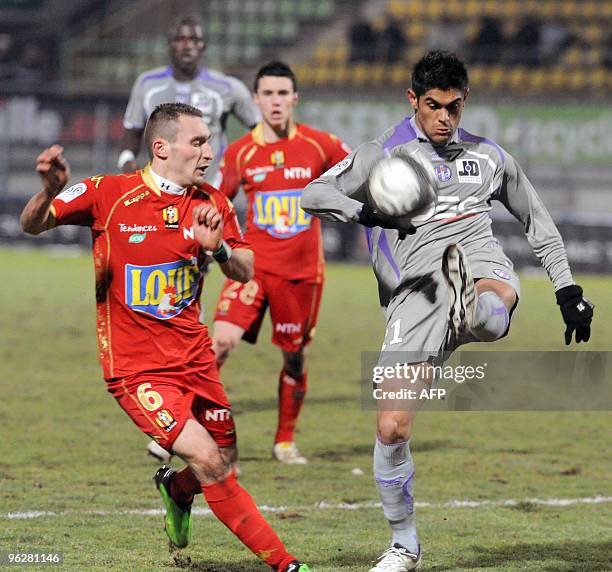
x=577, y=313
x=371, y=218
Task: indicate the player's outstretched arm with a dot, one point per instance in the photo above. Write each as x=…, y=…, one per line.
x=521, y=199
x=236, y=264
x=54, y=172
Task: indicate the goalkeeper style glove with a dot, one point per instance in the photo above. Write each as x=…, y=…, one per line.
x=371, y=218
x=577, y=313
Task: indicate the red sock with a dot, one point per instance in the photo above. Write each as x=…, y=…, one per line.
x=235, y=508
x=183, y=486
x=291, y=393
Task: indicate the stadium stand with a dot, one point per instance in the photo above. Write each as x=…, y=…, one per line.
x=526, y=61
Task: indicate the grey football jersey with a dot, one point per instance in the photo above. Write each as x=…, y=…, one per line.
x=213, y=92
x=469, y=172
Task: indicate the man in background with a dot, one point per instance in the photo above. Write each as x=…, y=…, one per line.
x=273, y=163
x=215, y=94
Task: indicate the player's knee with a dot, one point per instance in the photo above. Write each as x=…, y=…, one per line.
x=294, y=363
x=394, y=429
x=210, y=467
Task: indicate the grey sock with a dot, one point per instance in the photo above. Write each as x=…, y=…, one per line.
x=394, y=473
x=492, y=318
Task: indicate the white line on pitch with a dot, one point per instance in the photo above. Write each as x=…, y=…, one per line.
x=322, y=505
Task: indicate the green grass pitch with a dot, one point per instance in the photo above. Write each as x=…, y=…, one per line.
x=68, y=449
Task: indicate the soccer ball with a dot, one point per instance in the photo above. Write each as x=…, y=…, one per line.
x=400, y=187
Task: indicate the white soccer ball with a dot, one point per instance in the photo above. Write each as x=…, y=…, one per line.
x=400, y=187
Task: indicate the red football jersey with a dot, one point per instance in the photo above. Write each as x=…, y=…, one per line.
x=147, y=263
x=286, y=240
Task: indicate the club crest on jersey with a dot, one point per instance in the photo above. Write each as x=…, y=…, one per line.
x=165, y=420
x=443, y=173
x=279, y=213
x=171, y=217
x=161, y=290
x=468, y=171
x=278, y=159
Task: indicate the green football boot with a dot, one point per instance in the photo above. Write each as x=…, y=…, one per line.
x=297, y=566
x=177, y=520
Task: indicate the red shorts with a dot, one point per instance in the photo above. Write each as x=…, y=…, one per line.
x=294, y=307
x=161, y=403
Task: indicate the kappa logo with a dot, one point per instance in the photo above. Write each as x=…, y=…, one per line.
x=135, y=199
x=468, y=171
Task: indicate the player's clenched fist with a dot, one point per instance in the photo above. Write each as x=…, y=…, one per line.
x=207, y=226
x=53, y=169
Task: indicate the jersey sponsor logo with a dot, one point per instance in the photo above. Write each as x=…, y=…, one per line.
x=288, y=328
x=501, y=273
x=279, y=213
x=258, y=170
x=298, y=173
x=450, y=208
x=137, y=227
x=443, y=173
x=171, y=216
x=72, y=193
x=338, y=168
x=137, y=238
x=468, y=171
x=137, y=198
x=161, y=290
x=278, y=159
x=217, y=415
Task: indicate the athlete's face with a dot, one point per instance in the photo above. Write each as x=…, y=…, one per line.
x=438, y=113
x=186, y=159
x=276, y=99
x=186, y=48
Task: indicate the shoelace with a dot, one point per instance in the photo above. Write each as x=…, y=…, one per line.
x=394, y=556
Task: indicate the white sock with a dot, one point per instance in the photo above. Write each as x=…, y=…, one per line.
x=394, y=473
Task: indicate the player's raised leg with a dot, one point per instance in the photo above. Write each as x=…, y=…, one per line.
x=477, y=310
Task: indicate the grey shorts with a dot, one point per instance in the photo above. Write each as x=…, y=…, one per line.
x=417, y=315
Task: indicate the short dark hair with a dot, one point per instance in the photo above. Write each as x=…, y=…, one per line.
x=162, y=122
x=192, y=21
x=277, y=69
x=439, y=70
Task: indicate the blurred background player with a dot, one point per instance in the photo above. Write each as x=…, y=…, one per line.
x=215, y=94
x=273, y=163
x=156, y=356
x=432, y=303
